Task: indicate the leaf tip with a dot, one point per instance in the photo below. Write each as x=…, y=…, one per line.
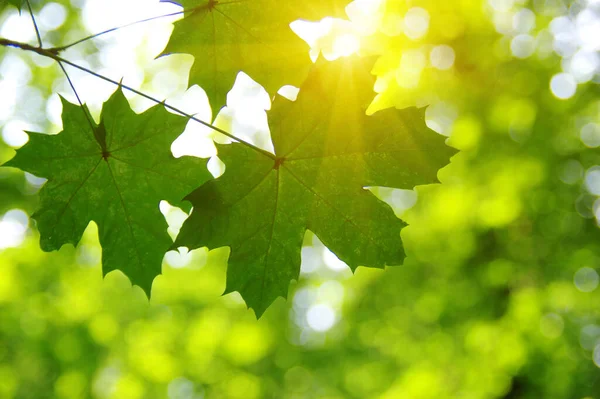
x=147, y=291
x=259, y=310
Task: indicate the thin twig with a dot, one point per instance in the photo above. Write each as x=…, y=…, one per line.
x=84, y=109
x=37, y=31
x=95, y=35
x=51, y=53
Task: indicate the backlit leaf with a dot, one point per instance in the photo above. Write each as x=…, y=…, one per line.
x=253, y=36
x=116, y=177
x=327, y=152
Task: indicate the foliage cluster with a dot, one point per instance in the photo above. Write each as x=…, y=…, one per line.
x=324, y=158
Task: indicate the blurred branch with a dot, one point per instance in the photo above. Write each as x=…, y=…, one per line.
x=53, y=53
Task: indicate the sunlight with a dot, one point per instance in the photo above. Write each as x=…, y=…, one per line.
x=346, y=45
x=331, y=37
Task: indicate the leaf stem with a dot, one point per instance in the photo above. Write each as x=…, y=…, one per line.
x=53, y=54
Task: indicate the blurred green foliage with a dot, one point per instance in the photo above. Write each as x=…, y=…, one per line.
x=497, y=298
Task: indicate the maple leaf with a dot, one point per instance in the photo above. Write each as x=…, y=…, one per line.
x=115, y=175
x=226, y=37
x=327, y=152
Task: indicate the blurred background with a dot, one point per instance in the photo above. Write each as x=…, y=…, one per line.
x=498, y=295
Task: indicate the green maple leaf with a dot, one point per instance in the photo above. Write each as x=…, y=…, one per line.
x=327, y=152
x=115, y=176
x=253, y=36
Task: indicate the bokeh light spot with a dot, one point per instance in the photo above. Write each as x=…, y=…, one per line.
x=524, y=20
x=590, y=135
x=586, y=279
x=592, y=180
x=563, y=86
x=589, y=336
x=596, y=355
x=52, y=16
x=522, y=46
x=13, y=227
x=320, y=317
x=442, y=57
x=416, y=23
